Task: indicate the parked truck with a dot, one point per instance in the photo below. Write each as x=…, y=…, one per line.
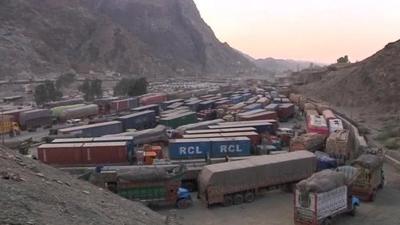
x=30, y=120
x=325, y=195
x=371, y=177
x=8, y=126
x=152, y=185
x=236, y=182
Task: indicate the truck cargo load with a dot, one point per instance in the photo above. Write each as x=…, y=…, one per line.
x=165, y=104
x=139, y=121
x=57, y=111
x=16, y=113
x=253, y=106
x=309, y=141
x=272, y=107
x=232, y=130
x=338, y=146
x=8, y=126
x=328, y=114
x=262, y=126
x=74, y=101
x=230, y=147
x=238, y=181
x=123, y=104
x=259, y=116
x=189, y=148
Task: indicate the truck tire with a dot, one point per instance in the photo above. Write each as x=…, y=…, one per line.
x=238, y=199
x=228, y=201
x=249, y=197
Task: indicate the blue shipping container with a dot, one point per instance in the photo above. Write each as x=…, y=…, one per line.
x=253, y=106
x=207, y=105
x=154, y=107
x=232, y=147
x=272, y=107
x=189, y=148
x=236, y=99
x=139, y=120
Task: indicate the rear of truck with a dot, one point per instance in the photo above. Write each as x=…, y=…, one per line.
x=319, y=208
x=368, y=183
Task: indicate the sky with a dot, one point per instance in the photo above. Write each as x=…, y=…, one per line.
x=313, y=30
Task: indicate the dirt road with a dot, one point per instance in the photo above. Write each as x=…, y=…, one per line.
x=275, y=208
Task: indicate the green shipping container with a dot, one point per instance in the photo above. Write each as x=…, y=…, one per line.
x=177, y=120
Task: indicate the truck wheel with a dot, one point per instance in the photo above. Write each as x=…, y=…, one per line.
x=228, y=201
x=249, y=197
x=238, y=199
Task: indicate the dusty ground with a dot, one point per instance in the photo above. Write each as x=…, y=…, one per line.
x=36, y=194
x=275, y=208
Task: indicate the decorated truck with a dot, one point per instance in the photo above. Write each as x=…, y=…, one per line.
x=153, y=185
x=371, y=177
x=325, y=195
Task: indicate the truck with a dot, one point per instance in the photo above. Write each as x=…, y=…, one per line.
x=30, y=120
x=325, y=195
x=153, y=185
x=371, y=177
x=236, y=182
x=8, y=126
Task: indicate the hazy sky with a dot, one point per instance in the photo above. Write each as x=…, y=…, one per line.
x=317, y=30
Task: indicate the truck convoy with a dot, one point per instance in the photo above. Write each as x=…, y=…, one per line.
x=324, y=195
x=240, y=181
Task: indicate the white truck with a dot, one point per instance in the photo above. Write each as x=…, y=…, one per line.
x=325, y=195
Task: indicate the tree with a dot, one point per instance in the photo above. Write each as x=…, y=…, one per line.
x=91, y=89
x=65, y=80
x=131, y=87
x=46, y=92
x=344, y=59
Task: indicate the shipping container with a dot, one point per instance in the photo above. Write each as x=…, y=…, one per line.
x=61, y=154
x=175, y=105
x=175, y=121
x=16, y=113
x=165, y=104
x=94, y=130
x=154, y=107
x=247, y=113
x=106, y=153
x=261, y=127
x=286, y=111
x=259, y=116
x=153, y=98
x=35, y=118
x=237, y=99
x=253, y=106
x=72, y=140
x=80, y=112
x=230, y=146
x=139, y=121
x=244, y=129
x=105, y=104
x=189, y=148
x=198, y=126
x=193, y=105
x=123, y=104
x=220, y=103
x=209, y=104
x=272, y=107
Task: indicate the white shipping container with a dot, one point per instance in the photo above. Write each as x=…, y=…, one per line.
x=335, y=124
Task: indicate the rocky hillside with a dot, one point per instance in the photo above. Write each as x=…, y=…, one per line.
x=33, y=193
x=372, y=84
x=277, y=66
x=147, y=37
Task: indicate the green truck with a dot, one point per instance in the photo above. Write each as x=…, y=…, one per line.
x=156, y=185
x=177, y=120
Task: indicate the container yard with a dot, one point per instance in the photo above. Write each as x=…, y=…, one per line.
x=227, y=148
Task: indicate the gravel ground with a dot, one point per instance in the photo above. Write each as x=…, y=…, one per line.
x=275, y=208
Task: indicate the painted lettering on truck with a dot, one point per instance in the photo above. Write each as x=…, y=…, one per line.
x=190, y=150
x=230, y=148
